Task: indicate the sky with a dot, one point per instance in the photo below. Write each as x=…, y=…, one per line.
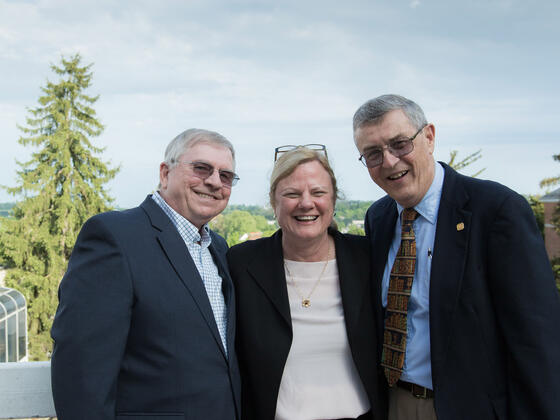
x=269, y=73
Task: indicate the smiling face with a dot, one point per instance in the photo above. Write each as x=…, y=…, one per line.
x=197, y=200
x=304, y=202
x=408, y=178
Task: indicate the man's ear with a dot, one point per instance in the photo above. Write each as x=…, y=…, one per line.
x=163, y=175
x=430, y=133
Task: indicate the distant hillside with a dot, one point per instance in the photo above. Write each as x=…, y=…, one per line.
x=346, y=210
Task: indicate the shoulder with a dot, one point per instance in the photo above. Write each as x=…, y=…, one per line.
x=380, y=209
x=351, y=246
x=117, y=219
x=218, y=241
x=251, y=249
x=348, y=239
x=488, y=194
x=382, y=203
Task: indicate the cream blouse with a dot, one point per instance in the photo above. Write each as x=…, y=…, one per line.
x=320, y=380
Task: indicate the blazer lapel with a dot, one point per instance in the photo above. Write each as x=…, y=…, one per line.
x=380, y=230
x=448, y=264
x=227, y=290
x=270, y=275
x=178, y=255
x=351, y=286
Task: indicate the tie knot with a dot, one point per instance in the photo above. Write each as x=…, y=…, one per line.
x=409, y=215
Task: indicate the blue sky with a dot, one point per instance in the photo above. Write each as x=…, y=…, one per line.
x=268, y=73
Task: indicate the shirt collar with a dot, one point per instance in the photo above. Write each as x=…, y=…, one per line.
x=429, y=205
x=183, y=225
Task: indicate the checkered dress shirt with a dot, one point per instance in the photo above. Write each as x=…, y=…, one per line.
x=198, y=248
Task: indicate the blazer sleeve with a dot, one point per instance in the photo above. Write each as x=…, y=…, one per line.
x=91, y=326
x=527, y=307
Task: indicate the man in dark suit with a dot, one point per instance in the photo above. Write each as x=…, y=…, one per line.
x=481, y=337
x=145, y=324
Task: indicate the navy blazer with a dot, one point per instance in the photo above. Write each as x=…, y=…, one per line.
x=264, y=323
x=494, y=307
x=134, y=333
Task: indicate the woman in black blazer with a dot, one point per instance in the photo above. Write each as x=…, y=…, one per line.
x=306, y=338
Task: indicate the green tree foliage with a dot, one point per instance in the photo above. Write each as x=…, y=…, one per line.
x=555, y=262
x=356, y=230
x=459, y=165
x=350, y=210
x=255, y=210
x=235, y=224
x=60, y=187
x=554, y=180
x=538, y=211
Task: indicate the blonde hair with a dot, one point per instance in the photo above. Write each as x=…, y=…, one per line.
x=289, y=161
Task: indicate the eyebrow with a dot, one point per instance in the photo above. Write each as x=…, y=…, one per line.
x=391, y=140
x=209, y=164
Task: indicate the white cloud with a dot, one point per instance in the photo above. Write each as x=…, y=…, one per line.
x=265, y=74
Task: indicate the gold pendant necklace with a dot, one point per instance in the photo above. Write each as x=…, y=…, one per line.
x=306, y=301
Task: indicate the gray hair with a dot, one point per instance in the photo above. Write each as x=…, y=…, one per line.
x=373, y=111
x=191, y=137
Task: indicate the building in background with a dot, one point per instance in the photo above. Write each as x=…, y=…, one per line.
x=551, y=237
x=13, y=326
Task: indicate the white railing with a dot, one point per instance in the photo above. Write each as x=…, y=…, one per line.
x=25, y=390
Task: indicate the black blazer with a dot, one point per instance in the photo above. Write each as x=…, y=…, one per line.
x=264, y=326
x=135, y=336
x=494, y=307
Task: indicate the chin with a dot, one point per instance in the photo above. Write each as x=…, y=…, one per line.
x=307, y=235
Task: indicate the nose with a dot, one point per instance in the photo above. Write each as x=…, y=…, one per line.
x=305, y=201
x=214, y=180
x=389, y=159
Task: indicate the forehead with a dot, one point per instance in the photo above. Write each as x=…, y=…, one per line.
x=307, y=173
x=212, y=153
x=393, y=124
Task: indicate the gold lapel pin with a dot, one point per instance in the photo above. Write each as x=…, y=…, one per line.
x=460, y=226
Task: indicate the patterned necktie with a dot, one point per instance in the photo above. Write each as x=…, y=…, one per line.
x=400, y=286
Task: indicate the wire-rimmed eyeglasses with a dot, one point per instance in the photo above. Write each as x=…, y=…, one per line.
x=204, y=170
x=289, y=147
x=373, y=156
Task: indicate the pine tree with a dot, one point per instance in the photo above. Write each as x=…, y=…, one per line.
x=60, y=187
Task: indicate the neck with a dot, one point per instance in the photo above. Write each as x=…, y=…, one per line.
x=316, y=249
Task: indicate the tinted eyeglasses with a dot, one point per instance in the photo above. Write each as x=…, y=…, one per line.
x=289, y=147
x=204, y=170
x=373, y=157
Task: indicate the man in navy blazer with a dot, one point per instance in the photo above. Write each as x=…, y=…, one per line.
x=145, y=325
x=482, y=328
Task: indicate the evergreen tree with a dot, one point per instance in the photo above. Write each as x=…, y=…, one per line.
x=60, y=187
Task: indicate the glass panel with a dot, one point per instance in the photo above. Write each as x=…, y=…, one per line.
x=12, y=343
x=2, y=341
x=22, y=333
x=8, y=303
x=18, y=297
x=2, y=312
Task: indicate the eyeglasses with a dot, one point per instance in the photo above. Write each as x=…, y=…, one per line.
x=374, y=156
x=289, y=147
x=204, y=170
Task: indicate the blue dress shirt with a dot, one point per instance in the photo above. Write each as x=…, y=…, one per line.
x=417, y=364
